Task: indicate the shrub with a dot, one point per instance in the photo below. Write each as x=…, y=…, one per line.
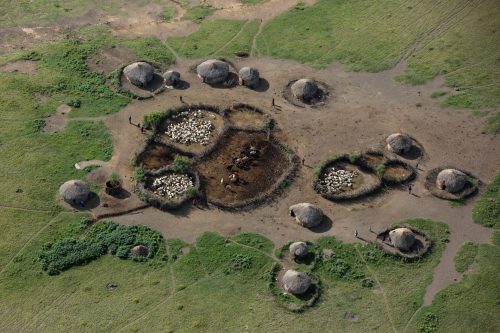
x=380, y=170
x=114, y=178
x=367, y=282
x=152, y=120
x=138, y=174
x=354, y=157
x=181, y=164
x=430, y=323
x=438, y=93
x=76, y=103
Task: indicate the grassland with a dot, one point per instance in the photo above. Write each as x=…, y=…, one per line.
x=465, y=256
x=487, y=209
x=217, y=38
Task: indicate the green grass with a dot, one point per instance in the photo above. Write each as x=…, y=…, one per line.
x=487, y=209
x=470, y=305
x=438, y=93
x=465, y=256
x=167, y=13
x=216, y=38
x=254, y=240
x=253, y=2
x=197, y=13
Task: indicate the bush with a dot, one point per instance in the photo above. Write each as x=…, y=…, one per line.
x=114, y=178
x=76, y=103
x=181, y=164
x=380, y=170
x=152, y=120
x=138, y=174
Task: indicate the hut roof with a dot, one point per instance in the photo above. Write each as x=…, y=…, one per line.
x=249, y=74
x=402, y=238
x=140, y=250
x=306, y=214
x=213, y=70
x=74, y=191
x=451, y=180
x=296, y=282
x=139, y=73
x=399, y=143
x=304, y=89
x=171, y=77
x=298, y=250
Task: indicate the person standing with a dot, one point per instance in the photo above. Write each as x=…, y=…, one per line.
x=130, y=119
x=409, y=189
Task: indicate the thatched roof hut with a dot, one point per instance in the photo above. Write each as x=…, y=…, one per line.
x=296, y=282
x=305, y=89
x=249, y=77
x=139, y=251
x=399, y=143
x=298, y=250
x=451, y=180
x=402, y=238
x=139, y=73
x=213, y=71
x=306, y=214
x=171, y=78
x=74, y=192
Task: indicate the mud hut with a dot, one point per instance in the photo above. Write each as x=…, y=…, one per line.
x=139, y=73
x=213, y=71
x=139, y=251
x=74, y=192
x=402, y=238
x=172, y=78
x=296, y=282
x=306, y=214
x=451, y=180
x=305, y=89
x=399, y=143
x=298, y=250
x=249, y=77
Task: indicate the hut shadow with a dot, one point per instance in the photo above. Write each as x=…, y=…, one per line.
x=325, y=225
x=93, y=201
x=230, y=82
x=307, y=260
x=154, y=84
x=414, y=153
x=122, y=194
x=262, y=86
x=182, y=85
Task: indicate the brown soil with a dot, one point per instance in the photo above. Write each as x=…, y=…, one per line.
x=57, y=122
x=366, y=108
x=194, y=148
x=153, y=87
x=372, y=159
x=156, y=156
x=246, y=118
x=260, y=175
x=108, y=59
x=20, y=66
x=396, y=171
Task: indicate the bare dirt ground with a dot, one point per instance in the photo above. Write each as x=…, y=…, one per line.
x=57, y=121
x=20, y=66
x=363, y=109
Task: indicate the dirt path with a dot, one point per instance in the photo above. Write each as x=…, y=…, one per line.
x=254, y=40
x=362, y=110
x=232, y=39
x=84, y=164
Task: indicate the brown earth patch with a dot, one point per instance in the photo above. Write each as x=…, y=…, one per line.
x=20, y=66
x=57, y=122
x=257, y=177
x=107, y=60
x=156, y=156
x=246, y=118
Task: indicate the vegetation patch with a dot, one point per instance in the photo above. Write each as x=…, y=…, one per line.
x=198, y=13
x=101, y=238
x=465, y=256
x=487, y=209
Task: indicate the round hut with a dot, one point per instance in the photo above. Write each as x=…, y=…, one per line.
x=305, y=89
x=298, y=250
x=172, y=78
x=296, y=282
x=139, y=251
x=451, y=180
x=399, y=143
x=249, y=77
x=74, y=192
x=402, y=238
x=306, y=214
x=139, y=73
x=213, y=71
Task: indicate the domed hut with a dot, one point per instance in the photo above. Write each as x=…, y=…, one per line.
x=249, y=77
x=402, y=238
x=139, y=251
x=139, y=73
x=305, y=89
x=306, y=214
x=74, y=192
x=213, y=71
x=296, y=282
x=171, y=78
x=298, y=250
x=399, y=143
x=451, y=180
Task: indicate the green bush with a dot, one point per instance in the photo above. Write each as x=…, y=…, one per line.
x=438, y=93
x=181, y=164
x=380, y=170
x=139, y=174
x=153, y=119
x=487, y=209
